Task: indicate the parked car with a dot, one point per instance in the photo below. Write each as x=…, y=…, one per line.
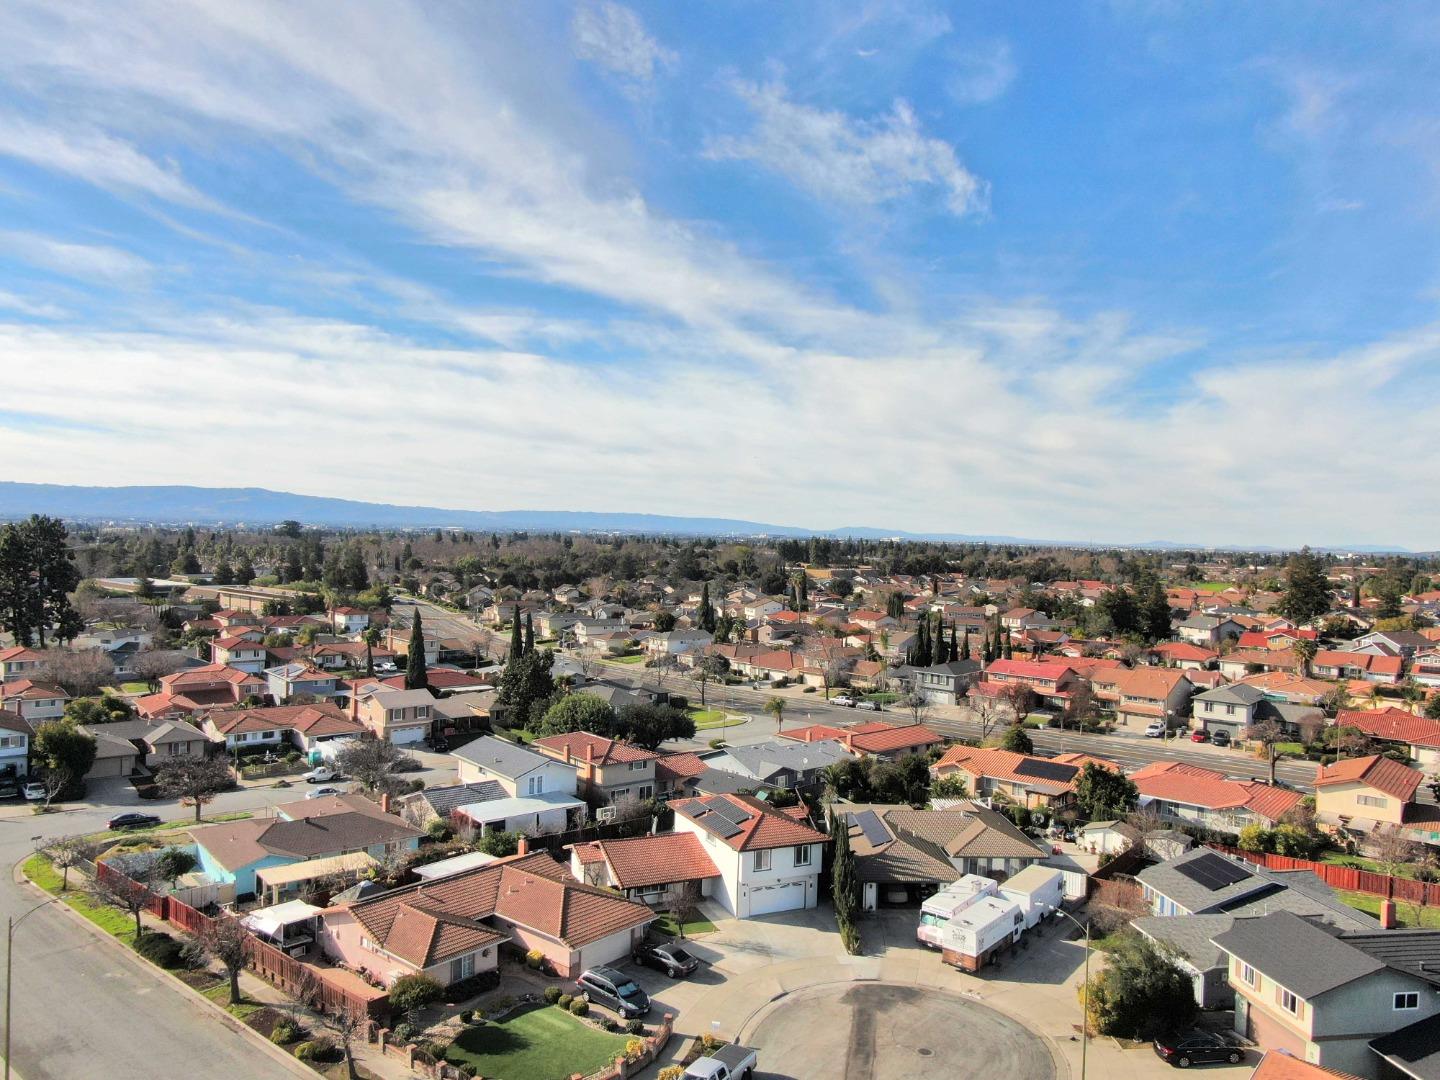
x=1220, y=738
x=132, y=821
x=673, y=959
x=1198, y=1048
x=321, y=773
x=615, y=990
x=1155, y=729
x=1199, y=735
x=9, y=789
x=33, y=792
x=729, y=1062
x=872, y=706
x=843, y=699
x=321, y=792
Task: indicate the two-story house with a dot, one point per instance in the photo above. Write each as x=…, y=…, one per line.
x=1188, y=794
x=289, y=681
x=14, y=745
x=1358, y=795
x=886, y=741
x=242, y=653
x=1335, y=999
x=606, y=770
x=779, y=763
x=19, y=662
x=1337, y=664
x=1143, y=695
x=946, y=684
x=537, y=791
x=404, y=717
x=1396, y=727
x=1050, y=681
x=1024, y=779
x=768, y=860
x=1208, y=630
x=349, y=620
x=34, y=702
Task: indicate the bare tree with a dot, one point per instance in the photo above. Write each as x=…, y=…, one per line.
x=64, y=854
x=681, y=900
x=223, y=940
x=54, y=782
x=987, y=713
x=125, y=891
x=152, y=665
x=81, y=672
x=917, y=704
x=835, y=672
x=342, y=1023
x=1269, y=735
x=375, y=763
x=194, y=780
x=1019, y=697
x=1392, y=849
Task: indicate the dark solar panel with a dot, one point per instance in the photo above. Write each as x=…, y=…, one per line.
x=730, y=812
x=871, y=825
x=1213, y=872
x=1047, y=770
x=721, y=828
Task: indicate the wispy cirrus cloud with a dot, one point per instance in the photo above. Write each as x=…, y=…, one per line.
x=613, y=36
x=981, y=72
x=89, y=262
x=853, y=160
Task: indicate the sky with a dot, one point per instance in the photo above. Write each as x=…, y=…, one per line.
x=1116, y=271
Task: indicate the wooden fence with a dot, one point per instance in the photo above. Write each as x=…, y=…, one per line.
x=1346, y=878
x=293, y=976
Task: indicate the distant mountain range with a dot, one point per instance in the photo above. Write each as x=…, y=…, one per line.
x=180, y=505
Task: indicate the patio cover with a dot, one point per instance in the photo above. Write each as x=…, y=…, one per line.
x=270, y=921
x=275, y=877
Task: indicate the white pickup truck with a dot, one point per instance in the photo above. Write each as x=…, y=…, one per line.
x=731, y=1062
x=322, y=774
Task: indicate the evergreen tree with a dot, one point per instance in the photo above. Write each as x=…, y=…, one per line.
x=997, y=647
x=416, y=676
x=517, y=643
x=706, y=614
x=529, y=633
x=964, y=653
x=1154, y=609
x=1009, y=649
x=1307, y=590
x=37, y=575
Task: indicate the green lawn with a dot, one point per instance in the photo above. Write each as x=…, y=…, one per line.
x=220, y=995
x=113, y=921
x=132, y=688
x=542, y=1044
x=696, y=925
x=1404, y=913
x=708, y=718
x=883, y=698
x=1211, y=586
x=638, y=658
x=170, y=826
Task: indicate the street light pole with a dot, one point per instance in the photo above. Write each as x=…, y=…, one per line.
x=1085, y=991
x=10, y=924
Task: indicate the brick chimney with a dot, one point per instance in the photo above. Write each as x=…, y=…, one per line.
x=1387, y=914
x=522, y=846
x=385, y=802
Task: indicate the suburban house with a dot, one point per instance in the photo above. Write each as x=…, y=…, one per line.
x=1023, y=779
x=1182, y=655
x=349, y=620
x=1358, y=795
x=536, y=793
x=1208, y=630
x=779, y=763
x=18, y=662
x=34, y=702
x=1364, y=666
x=335, y=655
x=14, y=745
x=403, y=717
x=308, y=727
x=1107, y=837
x=1142, y=695
x=1050, y=681
x=453, y=927
x=233, y=853
x=431, y=804
x=1242, y=662
x=1189, y=794
x=1349, y=1001
x=647, y=868
x=292, y=680
x=1236, y=707
x=114, y=756
x=155, y=741
x=242, y=653
x=196, y=689
x=606, y=771
x=1396, y=727
x=1020, y=619
x=946, y=684
x=769, y=860
x=875, y=739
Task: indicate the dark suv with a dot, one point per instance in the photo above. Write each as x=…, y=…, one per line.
x=615, y=990
x=1198, y=1048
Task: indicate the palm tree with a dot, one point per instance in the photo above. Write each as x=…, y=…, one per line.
x=1305, y=650
x=776, y=708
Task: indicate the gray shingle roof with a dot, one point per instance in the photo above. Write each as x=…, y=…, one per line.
x=444, y=799
x=762, y=761
x=1415, y=952
x=1304, y=958
x=1414, y=1049
x=506, y=759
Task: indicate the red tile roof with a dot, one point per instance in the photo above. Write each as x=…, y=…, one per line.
x=604, y=751
x=1003, y=765
x=1392, y=725
x=763, y=827
x=29, y=688
x=1177, y=782
x=679, y=767
x=1029, y=669
x=1381, y=773
x=655, y=860
x=1375, y=665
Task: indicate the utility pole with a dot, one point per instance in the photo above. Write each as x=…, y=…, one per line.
x=10, y=924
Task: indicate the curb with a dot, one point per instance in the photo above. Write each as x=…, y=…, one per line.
x=296, y=1068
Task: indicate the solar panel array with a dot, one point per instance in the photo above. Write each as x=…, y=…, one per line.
x=1047, y=770
x=1213, y=872
x=871, y=825
x=735, y=815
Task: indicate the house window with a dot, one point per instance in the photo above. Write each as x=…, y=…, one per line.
x=422, y=712
x=636, y=765
x=1407, y=1000
x=762, y=860
x=462, y=967
x=1289, y=1002
x=536, y=785
x=802, y=855
x=646, y=792
x=1372, y=800
x=1247, y=975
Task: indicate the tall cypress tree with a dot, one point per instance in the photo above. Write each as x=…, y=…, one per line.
x=964, y=653
x=416, y=676
x=707, y=610
x=997, y=647
x=517, y=644
x=1009, y=649
x=529, y=633
x=954, y=645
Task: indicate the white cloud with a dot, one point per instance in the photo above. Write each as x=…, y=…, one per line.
x=613, y=36
x=981, y=73
x=90, y=262
x=856, y=161
x=10, y=301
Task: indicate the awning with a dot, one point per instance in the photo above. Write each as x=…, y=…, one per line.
x=270, y=921
x=276, y=876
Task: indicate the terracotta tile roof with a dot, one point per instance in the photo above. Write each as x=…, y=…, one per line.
x=1381, y=773
x=1007, y=765
x=29, y=688
x=230, y=644
x=1268, y=658
x=1377, y=665
x=656, y=860
x=762, y=826
x=533, y=891
x=11, y=722
x=207, y=675
x=1278, y=1065
x=1029, y=669
x=1392, y=725
x=572, y=747
x=1143, y=682
x=1175, y=781
x=1183, y=650
x=20, y=652
x=679, y=767
x=1081, y=760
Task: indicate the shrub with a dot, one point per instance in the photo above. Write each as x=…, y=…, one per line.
x=467, y=1015
x=413, y=992
x=438, y=831
x=466, y=989
x=497, y=1005
x=285, y=1031
x=671, y=1072
x=579, y=1007
x=403, y=1033
x=564, y=1001
x=315, y=1050
x=161, y=949
x=533, y=959
x=552, y=994
x=634, y=1047
x=716, y=744
x=434, y=1050
x=634, y=1027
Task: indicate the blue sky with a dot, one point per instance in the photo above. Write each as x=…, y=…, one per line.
x=1112, y=271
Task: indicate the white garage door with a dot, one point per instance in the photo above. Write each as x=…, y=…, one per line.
x=786, y=896
x=404, y=736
